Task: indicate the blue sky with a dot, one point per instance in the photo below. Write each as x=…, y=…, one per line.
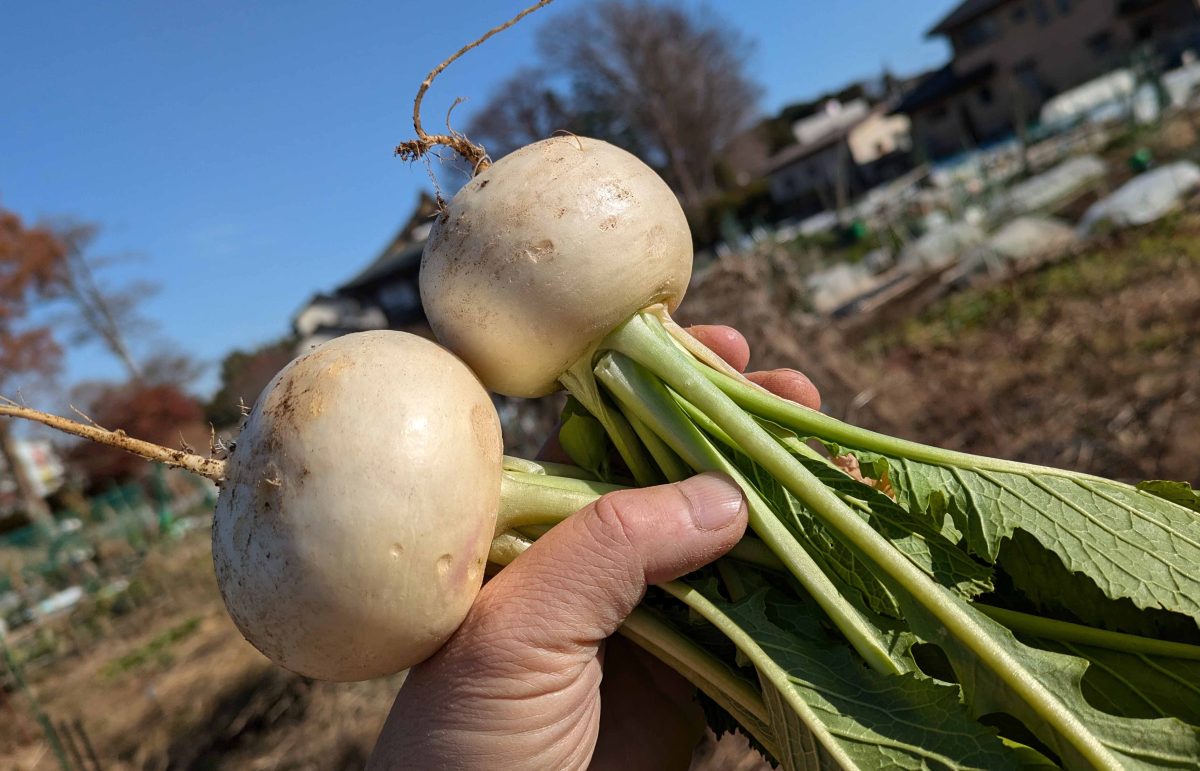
x=243, y=151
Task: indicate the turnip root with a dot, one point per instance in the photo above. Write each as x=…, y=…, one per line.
x=351, y=533
x=537, y=258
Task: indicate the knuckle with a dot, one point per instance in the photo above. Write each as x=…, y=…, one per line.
x=613, y=514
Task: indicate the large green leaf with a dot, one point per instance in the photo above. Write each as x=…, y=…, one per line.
x=1041, y=578
x=877, y=721
x=1136, y=685
x=1130, y=543
x=1012, y=676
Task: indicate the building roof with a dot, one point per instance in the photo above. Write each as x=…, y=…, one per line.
x=964, y=12
x=798, y=152
x=940, y=85
x=401, y=256
x=839, y=133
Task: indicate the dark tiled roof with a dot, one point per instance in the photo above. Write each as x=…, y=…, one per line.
x=942, y=84
x=400, y=257
x=963, y=13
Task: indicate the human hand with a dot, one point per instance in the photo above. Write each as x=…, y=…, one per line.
x=520, y=684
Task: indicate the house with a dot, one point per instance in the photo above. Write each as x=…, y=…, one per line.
x=42, y=467
x=383, y=295
x=1011, y=56
x=841, y=151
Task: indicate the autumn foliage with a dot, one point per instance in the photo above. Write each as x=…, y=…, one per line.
x=157, y=412
x=29, y=261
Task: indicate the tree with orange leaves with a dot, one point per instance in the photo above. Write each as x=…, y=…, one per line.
x=29, y=260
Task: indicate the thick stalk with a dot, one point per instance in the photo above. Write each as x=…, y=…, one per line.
x=768, y=669
x=540, y=499
x=810, y=422
x=532, y=500
x=653, y=349
x=582, y=385
x=1064, y=631
x=649, y=401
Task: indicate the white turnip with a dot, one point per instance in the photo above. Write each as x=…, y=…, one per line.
x=537, y=258
x=353, y=526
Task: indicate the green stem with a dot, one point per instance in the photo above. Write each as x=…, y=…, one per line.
x=653, y=349
x=580, y=381
x=703, y=670
x=767, y=668
x=1065, y=631
x=674, y=469
x=649, y=401
x=540, y=499
x=810, y=422
x=532, y=500
x=513, y=463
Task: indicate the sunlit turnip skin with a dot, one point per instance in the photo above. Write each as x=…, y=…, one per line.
x=352, y=529
x=542, y=254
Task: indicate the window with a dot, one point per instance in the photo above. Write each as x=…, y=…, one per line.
x=1019, y=14
x=985, y=94
x=1064, y=6
x=938, y=114
x=1100, y=44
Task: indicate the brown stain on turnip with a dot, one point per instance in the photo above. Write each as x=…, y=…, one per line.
x=485, y=433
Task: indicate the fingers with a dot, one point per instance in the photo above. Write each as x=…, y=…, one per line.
x=576, y=585
x=726, y=342
x=788, y=384
x=731, y=346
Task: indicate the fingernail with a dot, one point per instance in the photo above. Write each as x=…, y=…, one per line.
x=716, y=500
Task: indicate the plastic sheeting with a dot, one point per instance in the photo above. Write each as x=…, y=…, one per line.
x=941, y=247
x=838, y=284
x=1025, y=238
x=1145, y=198
x=1055, y=186
x=1083, y=101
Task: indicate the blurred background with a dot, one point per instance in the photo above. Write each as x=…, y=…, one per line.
x=972, y=223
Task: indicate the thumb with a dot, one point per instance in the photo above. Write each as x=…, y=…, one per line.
x=577, y=583
x=517, y=684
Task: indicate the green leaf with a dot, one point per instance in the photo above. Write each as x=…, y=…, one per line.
x=922, y=543
x=1175, y=492
x=1136, y=685
x=1131, y=543
x=878, y=721
x=1042, y=579
x=1011, y=676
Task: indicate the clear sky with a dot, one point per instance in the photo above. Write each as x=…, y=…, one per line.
x=243, y=150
